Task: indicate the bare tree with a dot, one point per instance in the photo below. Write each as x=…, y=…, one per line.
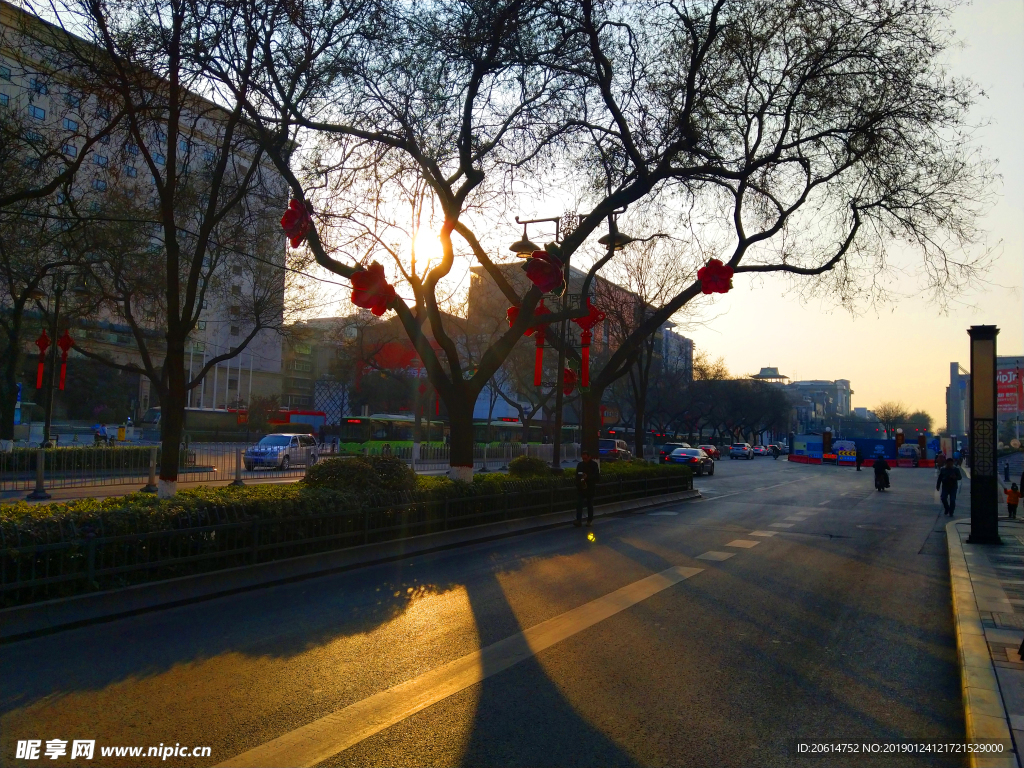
x=892, y=414
x=207, y=186
x=803, y=138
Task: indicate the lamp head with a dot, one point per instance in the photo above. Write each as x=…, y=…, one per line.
x=524, y=247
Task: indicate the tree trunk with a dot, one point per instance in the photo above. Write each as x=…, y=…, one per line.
x=590, y=428
x=639, y=433
x=9, y=381
x=172, y=420
x=460, y=416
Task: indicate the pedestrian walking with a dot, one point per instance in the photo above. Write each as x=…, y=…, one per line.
x=1012, y=500
x=588, y=475
x=860, y=459
x=949, y=482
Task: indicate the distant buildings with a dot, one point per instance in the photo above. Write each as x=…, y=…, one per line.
x=817, y=403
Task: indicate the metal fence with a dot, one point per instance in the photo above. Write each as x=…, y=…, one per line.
x=137, y=465
x=56, y=558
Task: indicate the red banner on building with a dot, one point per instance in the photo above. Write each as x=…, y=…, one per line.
x=1009, y=397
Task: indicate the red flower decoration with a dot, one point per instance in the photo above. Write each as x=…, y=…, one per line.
x=513, y=313
x=297, y=221
x=370, y=289
x=715, y=277
x=545, y=271
x=568, y=381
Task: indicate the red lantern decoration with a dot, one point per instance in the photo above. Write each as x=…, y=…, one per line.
x=537, y=331
x=43, y=342
x=296, y=221
x=568, y=381
x=512, y=313
x=370, y=289
x=545, y=271
x=592, y=318
x=65, y=343
x=715, y=277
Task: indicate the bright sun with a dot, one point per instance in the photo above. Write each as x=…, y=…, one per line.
x=428, y=247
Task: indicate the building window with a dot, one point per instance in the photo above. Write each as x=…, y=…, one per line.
x=131, y=149
x=103, y=112
x=160, y=135
x=69, y=149
x=38, y=86
x=70, y=125
x=208, y=156
x=236, y=290
x=201, y=325
x=198, y=346
x=236, y=269
x=159, y=159
x=72, y=100
x=236, y=311
x=37, y=112
x=5, y=73
x=302, y=365
x=183, y=145
x=105, y=139
x=234, y=330
x=130, y=172
x=301, y=348
x=100, y=160
x=99, y=185
x=33, y=136
x=4, y=99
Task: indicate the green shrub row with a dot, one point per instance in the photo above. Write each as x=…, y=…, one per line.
x=332, y=484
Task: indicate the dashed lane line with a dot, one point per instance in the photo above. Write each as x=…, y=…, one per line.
x=743, y=543
x=765, y=534
x=316, y=741
x=716, y=556
x=781, y=525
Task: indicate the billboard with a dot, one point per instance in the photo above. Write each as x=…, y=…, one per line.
x=1009, y=398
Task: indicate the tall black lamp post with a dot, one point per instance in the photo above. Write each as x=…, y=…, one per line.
x=982, y=452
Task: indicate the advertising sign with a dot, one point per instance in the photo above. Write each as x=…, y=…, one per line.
x=1008, y=390
x=807, y=445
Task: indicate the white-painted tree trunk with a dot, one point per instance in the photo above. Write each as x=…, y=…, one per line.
x=165, y=489
x=462, y=474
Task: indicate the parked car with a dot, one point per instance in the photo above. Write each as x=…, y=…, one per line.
x=665, y=451
x=282, y=451
x=760, y=450
x=694, y=458
x=613, y=450
x=741, y=451
x=711, y=451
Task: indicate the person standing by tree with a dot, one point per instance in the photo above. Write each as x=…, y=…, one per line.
x=949, y=481
x=588, y=474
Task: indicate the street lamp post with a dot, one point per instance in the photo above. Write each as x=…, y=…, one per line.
x=984, y=481
x=58, y=291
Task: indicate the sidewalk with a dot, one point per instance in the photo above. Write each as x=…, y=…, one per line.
x=988, y=607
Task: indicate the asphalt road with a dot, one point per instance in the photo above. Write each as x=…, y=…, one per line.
x=836, y=629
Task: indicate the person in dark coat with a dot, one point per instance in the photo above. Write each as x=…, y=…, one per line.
x=860, y=459
x=588, y=475
x=949, y=482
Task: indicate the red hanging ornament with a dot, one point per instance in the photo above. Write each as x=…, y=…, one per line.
x=592, y=318
x=370, y=289
x=568, y=381
x=545, y=271
x=715, y=277
x=538, y=359
x=43, y=342
x=65, y=343
x=296, y=221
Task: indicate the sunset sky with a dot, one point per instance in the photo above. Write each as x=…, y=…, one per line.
x=903, y=352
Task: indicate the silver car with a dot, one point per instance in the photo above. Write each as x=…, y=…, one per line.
x=282, y=451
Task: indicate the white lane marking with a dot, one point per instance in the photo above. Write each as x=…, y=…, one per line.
x=661, y=514
x=766, y=534
x=336, y=732
x=823, y=503
x=743, y=543
x=781, y=525
x=797, y=518
x=716, y=556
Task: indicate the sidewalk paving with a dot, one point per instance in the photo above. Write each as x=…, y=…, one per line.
x=988, y=606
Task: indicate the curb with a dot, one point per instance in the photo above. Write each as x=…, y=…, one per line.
x=36, y=619
x=984, y=713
